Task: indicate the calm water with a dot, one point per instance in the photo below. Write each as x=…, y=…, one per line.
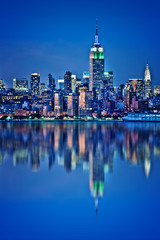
x=79, y=181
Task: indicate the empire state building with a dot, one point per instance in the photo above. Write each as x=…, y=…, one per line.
x=96, y=65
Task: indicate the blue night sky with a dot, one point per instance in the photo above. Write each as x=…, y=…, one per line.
x=55, y=36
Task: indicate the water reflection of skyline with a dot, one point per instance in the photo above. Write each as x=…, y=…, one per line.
x=94, y=146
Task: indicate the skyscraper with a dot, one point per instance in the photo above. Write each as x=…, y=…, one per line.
x=70, y=105
x=147, y=81
x=60, y=83
x=157, y=90
x=73, y=83
x=51, y=83
x=86, y=77
x=137, y=87
x=58, y=103
x=35, y=84
x=85, y=101
x=109, y=77
x=67, y=83
x=20, y=84
x=42, y=87
x=96, y=65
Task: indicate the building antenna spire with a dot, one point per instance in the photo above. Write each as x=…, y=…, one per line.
x=96, y=26
x=96, y=35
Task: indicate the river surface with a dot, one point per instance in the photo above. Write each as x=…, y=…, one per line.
x=79, y=180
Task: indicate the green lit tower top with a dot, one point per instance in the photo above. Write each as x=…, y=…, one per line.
x=96, y=64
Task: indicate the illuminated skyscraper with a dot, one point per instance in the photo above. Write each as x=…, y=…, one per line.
x=2, y=86
x=109, y=77
x=137, y=87
x=1, y=83
x=20, y=84
x=58, y=103
x=85, y=101
x=96, y=65
x=51, y=83
x=157, y=90
x=67, y=83
x=86, y=77
x=73, y=83
x=70, y=105
x=75, y=104
x=42, y=87
x=147, y=82
x=35, y=84
x=60, y=83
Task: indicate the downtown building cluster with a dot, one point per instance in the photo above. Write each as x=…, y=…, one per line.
x=93, y=97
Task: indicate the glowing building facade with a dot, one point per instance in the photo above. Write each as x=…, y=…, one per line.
x=67, y=83
x=73, y=81
x=157, y=90
x=86, y=77
x=85, y=101
x=35, y=84
x=58, y=103
x=147, y=81
x=137, y=87
x=20, y=84
x=60, y=83
x=96, y=65
x=70, y=105
x=51, y=83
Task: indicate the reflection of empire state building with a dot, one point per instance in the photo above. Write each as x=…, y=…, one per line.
x=96, y=178
x=96, y=65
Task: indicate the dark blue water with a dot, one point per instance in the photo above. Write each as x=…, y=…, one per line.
x=79, y=181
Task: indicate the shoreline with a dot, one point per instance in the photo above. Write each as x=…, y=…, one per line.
x=73, y=120
x=60, y=120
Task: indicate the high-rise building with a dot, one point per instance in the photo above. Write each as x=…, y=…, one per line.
x=85, y=101
x=2, y=86
x=20, y=84
x=86, y=77
x=1, y=83
x=137, y=87
x=78, y=81
x=67, y=83
x=96, y=65
x=75, y=104
x=60, y=83
x=109, y=77
x=42, y=87
x=51, y=83
x=147, y=82
x=70, y=105
x=73, y=83
x=157, y=90
x=104, y=89
x=58, y=103
x=35, y=84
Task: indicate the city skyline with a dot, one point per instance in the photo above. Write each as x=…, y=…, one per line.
x=92, y=70
x=33, y=50
x=79, y=119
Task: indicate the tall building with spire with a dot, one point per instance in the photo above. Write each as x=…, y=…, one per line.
x=96, y=65
x=147, y=81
